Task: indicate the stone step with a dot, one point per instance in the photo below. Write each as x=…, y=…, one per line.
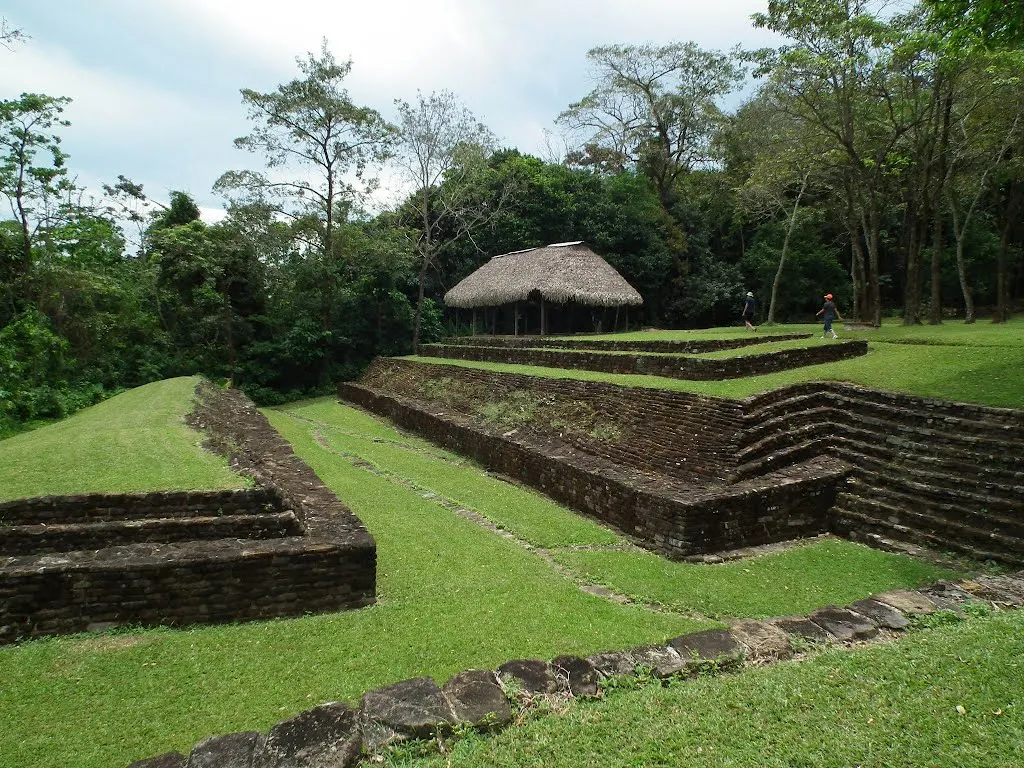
x=858, y=526
x=907, y=457
x=952, y=505
x=933, y=530
x=983, y=419
x=943, y=488
x=923, y=439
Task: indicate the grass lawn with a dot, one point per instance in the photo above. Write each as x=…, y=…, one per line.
x=943, y=362
x=949, y=697
x=136, y=441
x=451, y=595
x=794, y=582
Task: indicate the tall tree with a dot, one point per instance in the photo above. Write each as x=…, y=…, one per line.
x=439, y=140
x=655, y=108
x=316, y=143
x=32, y=170
x=783, y=157
x=837, y=69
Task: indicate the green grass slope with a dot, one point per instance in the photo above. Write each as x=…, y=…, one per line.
x=136, y=441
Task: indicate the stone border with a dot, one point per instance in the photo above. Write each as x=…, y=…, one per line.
x=333, y=735
x=315, y=556
x=670, y=366
x=696, y=346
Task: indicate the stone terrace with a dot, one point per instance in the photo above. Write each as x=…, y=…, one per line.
x=285, y=548
x=891, y=470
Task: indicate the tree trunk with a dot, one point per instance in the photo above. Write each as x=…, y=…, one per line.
x=785, y=250
x=419, y=309
x=935, y=308
x=960, y=232
x=1004, y=308
x=874, y=308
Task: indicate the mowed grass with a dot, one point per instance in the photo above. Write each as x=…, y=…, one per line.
x=792, y=582
x=524, y=513
x=136, y=441
x=451, y=596
x=925, y=361
x=950, y=697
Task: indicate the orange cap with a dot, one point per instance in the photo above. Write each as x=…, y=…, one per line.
x=828, y=296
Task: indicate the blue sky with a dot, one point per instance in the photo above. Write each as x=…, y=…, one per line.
x=156, y=83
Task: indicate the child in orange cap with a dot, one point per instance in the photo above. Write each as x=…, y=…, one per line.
x=830, y=311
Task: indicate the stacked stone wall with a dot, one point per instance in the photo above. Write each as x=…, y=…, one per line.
x=683, y=436
x=285, y=548
x=670, y=366
x=696, y=346
x=675, y=522
x=927, y=472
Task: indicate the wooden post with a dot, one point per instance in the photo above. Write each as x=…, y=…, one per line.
x=474, y=321
x=515, y=320
x=627, y=319
x=542, y=323
x=615, y=325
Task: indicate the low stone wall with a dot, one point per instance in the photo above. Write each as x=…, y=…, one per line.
x=671, y=366
x=674, y=522
x=923, y=472
x=108, y=507
x=339, y=736
x=284, y=549
x=677, y=434
x=696, y=346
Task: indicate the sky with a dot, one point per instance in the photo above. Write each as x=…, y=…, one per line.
x=156, y=83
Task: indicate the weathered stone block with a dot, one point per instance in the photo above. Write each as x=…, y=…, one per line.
x=712, y=646
x=233, y=750
x=762, y=641
x=411, y=709
x=476, y=698
x=801, y=627
x=327, y=736
x=662, y=660
x=532, y=675
x=908, y=601
x=613, y=663
x=883, y=615
x=843, y=624
x=580, y=675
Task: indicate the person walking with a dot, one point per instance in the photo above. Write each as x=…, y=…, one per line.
x=748, y=311
x=831, y=312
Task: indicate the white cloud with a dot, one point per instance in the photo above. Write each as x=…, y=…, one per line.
x=156, y=84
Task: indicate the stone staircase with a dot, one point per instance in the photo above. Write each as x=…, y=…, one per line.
x=938, y=474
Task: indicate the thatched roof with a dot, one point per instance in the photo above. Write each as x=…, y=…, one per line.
x=562, y=272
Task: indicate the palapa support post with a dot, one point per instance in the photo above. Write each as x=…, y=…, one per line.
x=474, y=321
x=615, y=325
x=515, y=320
x=543, y=325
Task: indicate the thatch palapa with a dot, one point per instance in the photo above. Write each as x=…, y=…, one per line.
x=560, y=273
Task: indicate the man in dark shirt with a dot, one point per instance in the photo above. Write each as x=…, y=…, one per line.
x=748, y=311
x=831, y=312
